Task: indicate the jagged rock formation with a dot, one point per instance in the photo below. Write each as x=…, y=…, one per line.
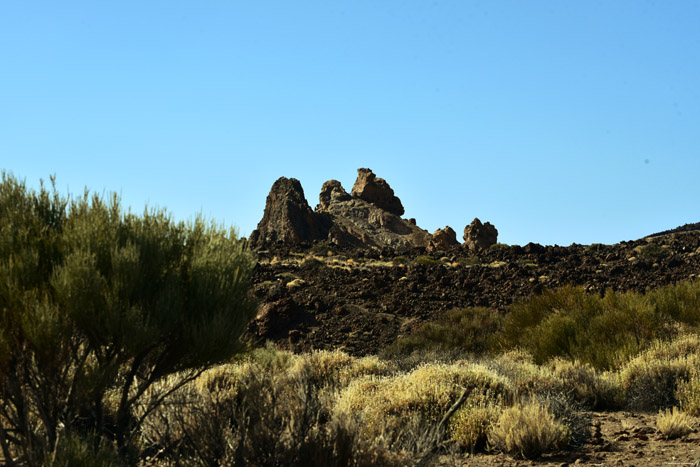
x=443, y=239
x=368, y=217
x=376, y=191
x=478, y=236
x=288, y=219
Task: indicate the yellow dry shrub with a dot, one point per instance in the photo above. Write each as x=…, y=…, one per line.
x=688, y=394
x=651, y=380
x=674, y=423
x=470, y=425
x=331, y=368
x=528, y=430
x=593, y=388
x=385, y=404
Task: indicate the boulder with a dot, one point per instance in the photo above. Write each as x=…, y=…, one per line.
x=287, y=219
x=443, y=239
x=275, y=319
x=478, y=236
x=376, y=191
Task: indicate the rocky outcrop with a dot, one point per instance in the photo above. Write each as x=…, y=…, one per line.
x=478, y=236
x=288, y=218
x=370, y=217
x=443, y=239
x=357, y=222
x=376, y=191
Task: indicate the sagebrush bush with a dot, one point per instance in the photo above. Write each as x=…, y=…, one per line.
x=385, y=405
x=580, y=382
x=586, y=385
x=688, y=394
x=259, y=412
x=528, y=430
x=674, y=423
x=651, y=380
x=470, y=425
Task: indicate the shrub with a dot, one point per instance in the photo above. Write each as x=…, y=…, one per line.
x=688, y=394
x=674, y=423
x=651, y=380
x=468, y=329
x=527, y=430
x=680, y=301
x=568, y=322
x=251, y=413
x=427, y=261
x=470, y=425
x=585, y=384
x=652, y=251
x=386, y=406
x=93, y=301
x=87, y=451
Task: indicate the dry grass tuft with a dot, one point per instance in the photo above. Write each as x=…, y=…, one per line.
x=674, y=423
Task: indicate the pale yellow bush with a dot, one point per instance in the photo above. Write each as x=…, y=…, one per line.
x=688, y=394
x=592, y=388
x=674, y=423
x=470, y=425
x=528, y=430
x=336, y=368
x=385, y=404
x=651, y=380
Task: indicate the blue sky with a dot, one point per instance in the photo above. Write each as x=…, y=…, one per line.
x=558, y=121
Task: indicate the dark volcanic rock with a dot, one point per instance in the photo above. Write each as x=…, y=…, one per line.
x=478, y=236
x=376, y=191
x=366, y=304
x=443, y=239
x=288, y=219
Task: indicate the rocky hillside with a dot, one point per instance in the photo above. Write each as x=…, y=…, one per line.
x=353, y=274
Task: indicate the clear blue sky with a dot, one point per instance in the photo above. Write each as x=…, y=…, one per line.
x=558, y=121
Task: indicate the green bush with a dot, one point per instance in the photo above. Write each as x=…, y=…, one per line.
x=95, y=301
x=652, y=251
x=427, y=261
x=469, y=329
x=569, y=322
